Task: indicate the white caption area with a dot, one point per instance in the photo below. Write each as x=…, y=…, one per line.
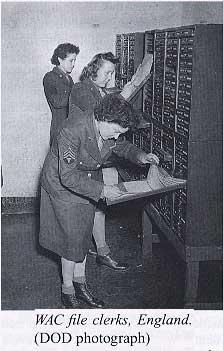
x=106, y=330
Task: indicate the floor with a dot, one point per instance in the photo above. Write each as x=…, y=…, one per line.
x=31, y=277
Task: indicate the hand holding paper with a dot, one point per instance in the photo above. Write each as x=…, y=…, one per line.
x=139, y=78
x=143, y=71
x=158, y=178
x=148, y=158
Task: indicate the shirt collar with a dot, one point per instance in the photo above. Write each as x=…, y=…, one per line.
x=60, y=71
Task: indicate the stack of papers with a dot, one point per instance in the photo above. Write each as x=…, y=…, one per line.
x=158, y=181
x=158, y=178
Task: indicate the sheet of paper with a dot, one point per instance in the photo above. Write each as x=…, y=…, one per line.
x=158, y=178
x=158, y=181
x=141, y=76
x=143, y=70
x=137, y=186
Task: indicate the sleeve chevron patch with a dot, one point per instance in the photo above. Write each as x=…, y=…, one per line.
x=69, y=156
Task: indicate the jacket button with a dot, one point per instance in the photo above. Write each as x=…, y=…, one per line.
x=89, y=174
x=81, y=162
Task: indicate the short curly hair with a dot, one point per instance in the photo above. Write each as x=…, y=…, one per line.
x=62, y=51
x=115, y=109
x=91, y=70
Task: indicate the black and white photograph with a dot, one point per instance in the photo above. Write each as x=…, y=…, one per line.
x=111, y=158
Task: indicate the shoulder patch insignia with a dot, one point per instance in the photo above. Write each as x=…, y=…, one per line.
x=69, y=156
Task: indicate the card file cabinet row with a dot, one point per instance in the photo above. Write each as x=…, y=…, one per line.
x=171, y=100
x=183, y=101
x=126, y=52
x=172, y=81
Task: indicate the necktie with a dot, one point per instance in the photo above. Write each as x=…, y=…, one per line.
x=67, y=76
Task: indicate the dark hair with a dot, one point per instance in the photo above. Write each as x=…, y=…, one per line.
x=113, y=108
x=62, y=51
x=90, y=71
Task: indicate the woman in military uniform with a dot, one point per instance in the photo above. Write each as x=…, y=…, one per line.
x=84, y=95
x=72, y=185
x=58, y=84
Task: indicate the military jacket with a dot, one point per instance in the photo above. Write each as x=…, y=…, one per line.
x=72, y=170
x=57, y=87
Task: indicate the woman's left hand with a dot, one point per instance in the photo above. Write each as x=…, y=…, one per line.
x=149, y=158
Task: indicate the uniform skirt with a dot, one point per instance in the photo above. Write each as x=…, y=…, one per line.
x=65, y=227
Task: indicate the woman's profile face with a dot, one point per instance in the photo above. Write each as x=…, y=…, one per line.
x=67, y=64
x=104, y=74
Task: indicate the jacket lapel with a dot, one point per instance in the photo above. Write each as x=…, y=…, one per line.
x=63, y=76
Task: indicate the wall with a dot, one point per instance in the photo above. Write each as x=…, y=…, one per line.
x=30, y=32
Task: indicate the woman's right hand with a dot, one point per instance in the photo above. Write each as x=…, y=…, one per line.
x=112, y=191
x=127, y=90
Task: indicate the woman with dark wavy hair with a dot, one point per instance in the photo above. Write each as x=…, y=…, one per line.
x=92, y=68
x=94, y=80
x=58, y=84
x=72, y=186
